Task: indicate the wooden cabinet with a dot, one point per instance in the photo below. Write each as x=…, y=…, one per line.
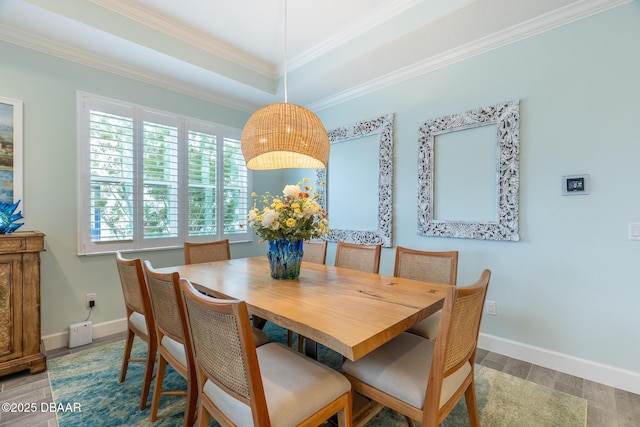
x=20, y=342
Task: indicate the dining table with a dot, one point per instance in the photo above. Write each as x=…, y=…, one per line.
x=349, y=311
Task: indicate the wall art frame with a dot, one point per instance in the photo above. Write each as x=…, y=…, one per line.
x=11, y=134
x=382, y=126
x=506, y=116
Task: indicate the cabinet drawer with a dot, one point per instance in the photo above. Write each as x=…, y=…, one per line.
x=19, y=242
x=13, y=245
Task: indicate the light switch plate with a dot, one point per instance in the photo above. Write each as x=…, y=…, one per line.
x=634, y=231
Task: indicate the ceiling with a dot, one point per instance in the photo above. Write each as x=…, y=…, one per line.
x=233, y=52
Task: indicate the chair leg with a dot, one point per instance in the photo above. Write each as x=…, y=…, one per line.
x=300, y=341
x=472, y=405
x=345, y=416
x=148, y=373
x=409, y=421
x=127, y=354
x=192, y=400
x=203, y=416
x=157, y=390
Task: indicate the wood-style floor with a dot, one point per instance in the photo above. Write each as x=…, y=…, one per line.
x=607, y=406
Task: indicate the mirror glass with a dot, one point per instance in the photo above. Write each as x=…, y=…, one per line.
x=465, y=193
x=364, y=177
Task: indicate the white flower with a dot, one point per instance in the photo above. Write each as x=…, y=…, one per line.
x=268, y=217
x=311, y=208
x=253, y=213
x=291, y=190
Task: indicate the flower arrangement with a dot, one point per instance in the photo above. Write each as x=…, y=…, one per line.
x=296, y=215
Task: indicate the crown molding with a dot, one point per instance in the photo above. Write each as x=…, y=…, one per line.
x=376, y=18
x=530, y=28
x=50, y=47
x=558, y=18
x=187, y=34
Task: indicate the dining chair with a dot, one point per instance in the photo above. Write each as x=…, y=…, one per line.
x=358, y=257
x=434, y=267
x=140, y=320
x=424, y=379
x=315, y=251
x=271, y=385
x=174, y=347
x=195, y=253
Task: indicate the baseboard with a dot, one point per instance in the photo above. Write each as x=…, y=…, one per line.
x=593, y=371
x=61, y=339
x=598, y=372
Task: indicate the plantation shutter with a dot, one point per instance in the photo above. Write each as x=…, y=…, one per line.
x=149, y=179
x=160, y=180
x=111, y=158
x=202, y=184
x=236, y=184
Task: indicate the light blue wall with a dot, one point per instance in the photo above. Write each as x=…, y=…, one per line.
x=571, y=285
x=48, y=86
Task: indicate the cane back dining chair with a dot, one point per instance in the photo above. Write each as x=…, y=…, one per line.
x=139, y=320
x=315, y=251
x=434, y=267
x=358, y=257
x=195, y=253
x=173, y=343
x=241, y=385
x=424, y=379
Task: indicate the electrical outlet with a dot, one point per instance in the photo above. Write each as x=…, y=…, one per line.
x=491, y=308
x=91, y=298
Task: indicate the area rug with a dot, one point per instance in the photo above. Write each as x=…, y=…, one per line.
x=88, y=381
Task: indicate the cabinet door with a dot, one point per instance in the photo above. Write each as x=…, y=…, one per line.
x=10, y=306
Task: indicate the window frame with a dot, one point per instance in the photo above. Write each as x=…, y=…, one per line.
x=85, y=103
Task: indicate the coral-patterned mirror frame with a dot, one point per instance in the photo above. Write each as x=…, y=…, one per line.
x=505, y=227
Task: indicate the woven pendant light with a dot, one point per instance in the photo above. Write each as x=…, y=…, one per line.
x=284, y=135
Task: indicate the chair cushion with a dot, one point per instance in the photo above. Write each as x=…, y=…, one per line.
x=401, y=368
x=295, y=387
x=427, y=328
x=139, y=322
x=176, y=349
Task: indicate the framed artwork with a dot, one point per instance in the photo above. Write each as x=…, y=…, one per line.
x=367, y=221
x=10, y=150
x=481, y=200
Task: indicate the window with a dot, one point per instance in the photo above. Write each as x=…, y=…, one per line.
x=150, y=179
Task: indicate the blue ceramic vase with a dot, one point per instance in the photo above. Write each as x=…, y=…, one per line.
x=285, y=257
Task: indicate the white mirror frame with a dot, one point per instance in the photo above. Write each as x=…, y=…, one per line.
x=507, y=118
x=383, y=127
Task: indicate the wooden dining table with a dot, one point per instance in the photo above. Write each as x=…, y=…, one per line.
x=348, y=311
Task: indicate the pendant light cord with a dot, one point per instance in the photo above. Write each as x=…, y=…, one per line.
x=285, y=51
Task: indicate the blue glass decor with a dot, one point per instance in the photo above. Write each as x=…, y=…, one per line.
x=285, y=257
x=8, y=218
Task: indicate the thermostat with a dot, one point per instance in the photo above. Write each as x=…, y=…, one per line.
x=575, y=185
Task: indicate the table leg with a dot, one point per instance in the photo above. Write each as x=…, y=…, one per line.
x=310, y=348
x=258, y=322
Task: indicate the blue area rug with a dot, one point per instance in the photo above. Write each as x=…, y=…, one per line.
x=89, y=380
